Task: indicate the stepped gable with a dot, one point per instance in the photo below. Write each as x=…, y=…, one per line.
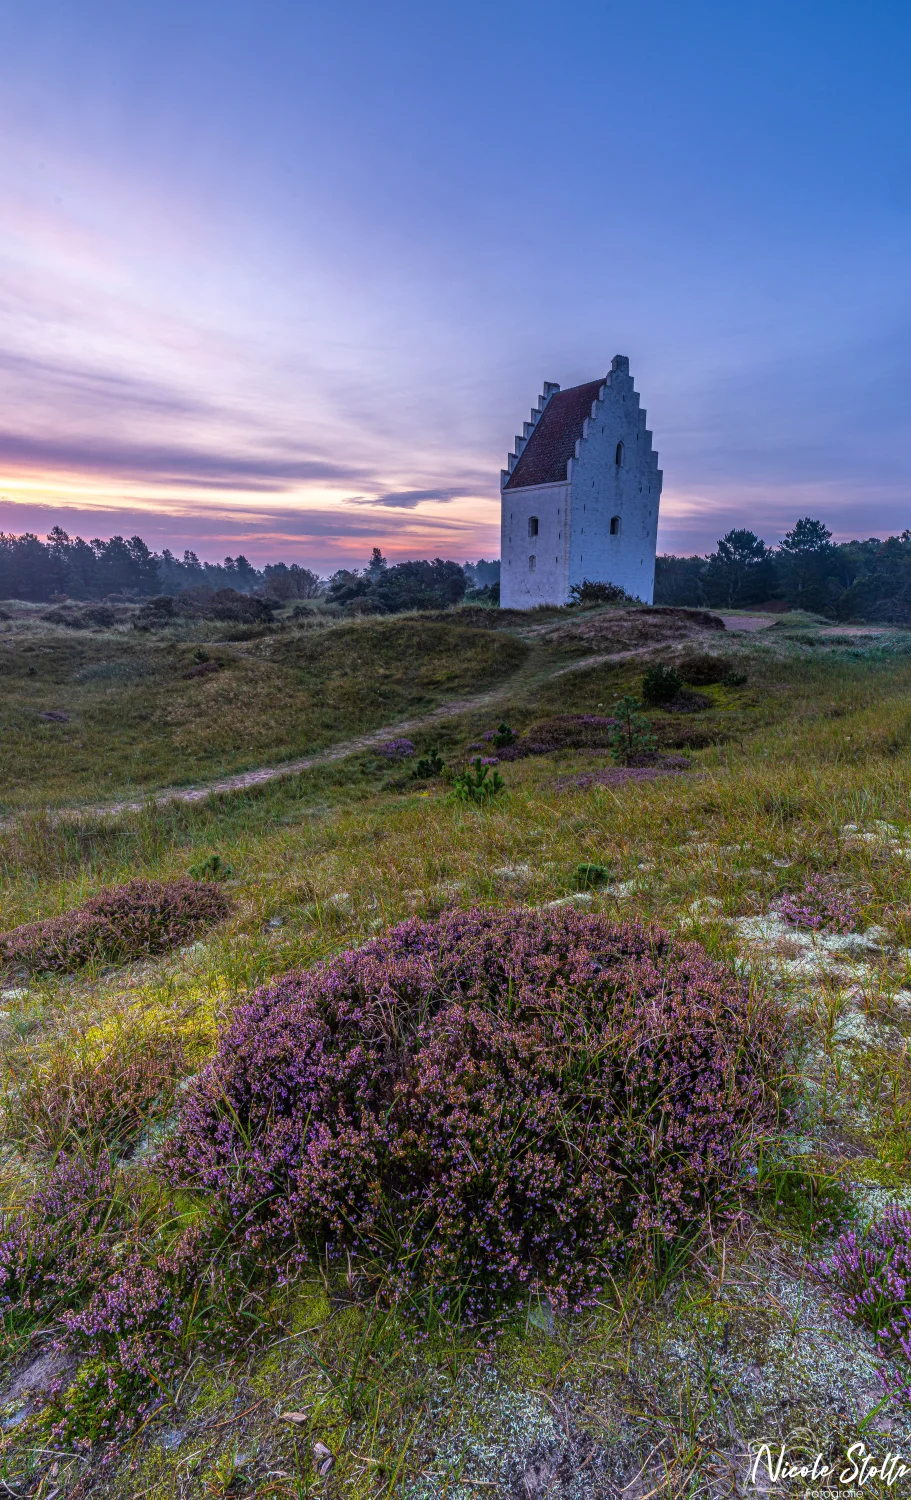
x=552, y=441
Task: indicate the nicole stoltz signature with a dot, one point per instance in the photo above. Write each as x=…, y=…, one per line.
x=857, y=1468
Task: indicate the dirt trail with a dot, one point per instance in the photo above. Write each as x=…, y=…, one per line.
x=243, y=779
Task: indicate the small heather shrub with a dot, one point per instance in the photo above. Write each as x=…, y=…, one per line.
x=130, y=1333
x=562, y=732
x=486, y=1102
x=660, y=685
x=399, y=749
x=482, y=785
x=813, y=1202
x=671, y=765
x=868, y=1277
x=123, y=923
x=702, y=669
x=632, y=735
x=56, y=1248
x=820, y=906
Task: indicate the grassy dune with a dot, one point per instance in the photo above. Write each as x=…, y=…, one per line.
x=804, y=768
x=137, y=722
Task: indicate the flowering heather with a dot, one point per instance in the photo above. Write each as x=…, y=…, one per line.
x=869, y=1278
x=821, y=906
x=56, y=1247
x=73, y=1261
x=486, y=1101
x=396, y=749
x=617, y=775
x=562, y=732
x=122, y=923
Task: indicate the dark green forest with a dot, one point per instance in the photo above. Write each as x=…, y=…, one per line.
x=855, y=580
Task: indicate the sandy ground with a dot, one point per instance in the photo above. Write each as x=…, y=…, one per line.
x=748, y=622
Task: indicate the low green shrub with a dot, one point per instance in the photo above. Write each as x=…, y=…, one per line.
x=632, y=736
x=212, y=868
x=430, y=765
x=660, y=685
x=591, y=592
x=702, y=669
x=479, y=787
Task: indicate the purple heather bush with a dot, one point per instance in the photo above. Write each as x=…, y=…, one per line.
x=123, y=923
x=820, y=906
x=868, y=1277
x=57, y=1246
x=562, y=732
x=396, y=749
x=74, y=1261
x=486, y=1102
x=670, y=765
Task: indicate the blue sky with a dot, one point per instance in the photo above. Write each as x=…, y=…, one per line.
x=285, y=278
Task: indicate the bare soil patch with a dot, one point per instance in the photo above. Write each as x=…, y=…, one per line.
x=628, y=629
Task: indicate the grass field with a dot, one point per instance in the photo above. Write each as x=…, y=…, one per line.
x=663, y=1385
x=137, y=722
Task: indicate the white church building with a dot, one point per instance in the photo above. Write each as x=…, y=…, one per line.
x=580, y=496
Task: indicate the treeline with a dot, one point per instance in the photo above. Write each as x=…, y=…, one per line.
x=64, y=567
x=862, y=580
x=859, y=580
x=68, y=567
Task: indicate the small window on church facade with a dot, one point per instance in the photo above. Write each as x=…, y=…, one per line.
x=531, y=564
x=532, y=526
x=618, y=456
x=615, y=525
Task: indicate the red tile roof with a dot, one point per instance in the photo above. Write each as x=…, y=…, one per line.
x=553, y=441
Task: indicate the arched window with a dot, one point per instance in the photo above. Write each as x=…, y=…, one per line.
x=532, y=563
x=532, y=526
x=615, y=525
x=618, y=456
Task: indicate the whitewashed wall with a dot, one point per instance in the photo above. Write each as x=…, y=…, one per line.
x=601, y=489
x=521, y=586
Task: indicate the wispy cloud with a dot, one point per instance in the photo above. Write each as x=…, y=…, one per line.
x=410, y=499
x=325, y=537
x=168, y=464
